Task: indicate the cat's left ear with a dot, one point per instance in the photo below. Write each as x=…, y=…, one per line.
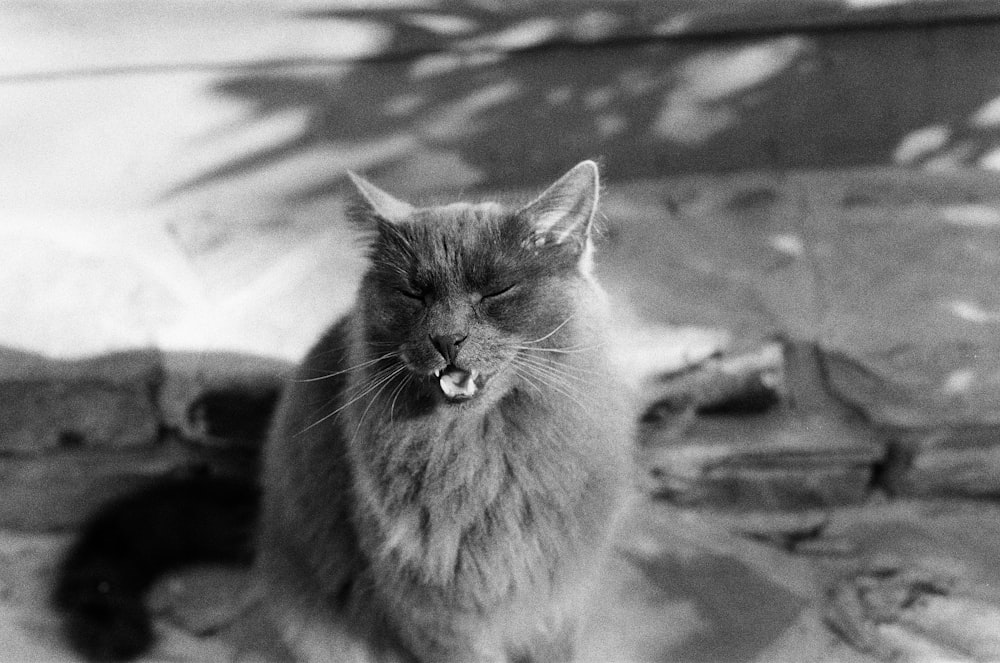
x=377, y=202
x=564, y=213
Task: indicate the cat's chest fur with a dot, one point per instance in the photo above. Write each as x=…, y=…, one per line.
x=463, y=501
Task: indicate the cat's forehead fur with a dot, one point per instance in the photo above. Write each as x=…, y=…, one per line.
x=455, y=227
x=462, y=243
x=458, y=217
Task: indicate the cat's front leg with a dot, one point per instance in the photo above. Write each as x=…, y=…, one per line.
x=320, y=625
x=453, y=637
x=321, y=637
x=319, y=633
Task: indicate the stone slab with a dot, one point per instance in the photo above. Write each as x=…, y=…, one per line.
x=802, y=449
x=764, y=462
x=893, y=272
x=59, y=490
x=907, y=271
x=949, y=461
x=108, y=401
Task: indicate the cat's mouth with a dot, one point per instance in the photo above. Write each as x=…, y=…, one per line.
x=458, y=384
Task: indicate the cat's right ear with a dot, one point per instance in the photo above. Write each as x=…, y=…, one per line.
x=375, y=205
x=564, y=213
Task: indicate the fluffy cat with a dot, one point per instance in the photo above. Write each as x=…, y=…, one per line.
x=443, y=474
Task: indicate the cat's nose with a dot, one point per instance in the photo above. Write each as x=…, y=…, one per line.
x=447, y=345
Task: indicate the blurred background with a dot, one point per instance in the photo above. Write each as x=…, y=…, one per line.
x=822, y=174
x=172, y=172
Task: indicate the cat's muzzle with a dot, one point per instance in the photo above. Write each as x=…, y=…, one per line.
x=458, y=384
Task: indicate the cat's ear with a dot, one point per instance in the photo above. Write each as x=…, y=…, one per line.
x=376, y=202
x=564, y=213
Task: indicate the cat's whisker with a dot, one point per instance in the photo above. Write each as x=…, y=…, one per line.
x=397, y=392
x=561, y=380
x=557, y=328
x=573, y=373
x=552, y=381
x=385, y=383
x=572, y=349
x=572, y=396
x=374, y=382
x=375, y=377
x=369, y=362
x=567, y=387
x=577, y=386
x=367, y=388
x=555, y=364
x=347, y=347
x=527, y=380
x=378, y=382
x=339, y=349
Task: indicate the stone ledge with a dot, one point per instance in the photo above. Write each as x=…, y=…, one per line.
x=754, y=431
x=59, y=490
x=74, y=434
x=109, y=401
x=811, y=447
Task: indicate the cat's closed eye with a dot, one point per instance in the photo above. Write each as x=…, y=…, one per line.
x=411, y=294
x=499, y=291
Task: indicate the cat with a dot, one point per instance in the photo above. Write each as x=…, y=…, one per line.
x=443, y=474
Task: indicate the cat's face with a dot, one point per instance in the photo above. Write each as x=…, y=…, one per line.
x=458, y=293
